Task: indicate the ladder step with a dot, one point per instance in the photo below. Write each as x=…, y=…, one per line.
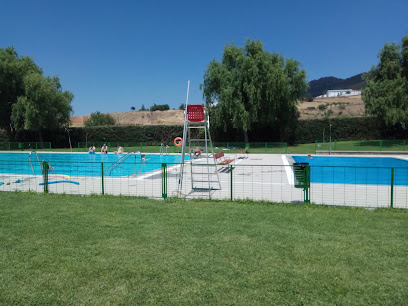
x=197, y=127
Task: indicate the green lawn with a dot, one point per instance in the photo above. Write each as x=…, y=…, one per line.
x=60, y=249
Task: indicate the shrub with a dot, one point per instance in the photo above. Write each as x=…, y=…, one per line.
x=98, y=119
x=322, y=106
x=311, y=108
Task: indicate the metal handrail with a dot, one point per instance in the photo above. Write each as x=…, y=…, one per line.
x=120, y=161
x=31, y=163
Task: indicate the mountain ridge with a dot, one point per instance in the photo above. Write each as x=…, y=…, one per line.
x=320, y=86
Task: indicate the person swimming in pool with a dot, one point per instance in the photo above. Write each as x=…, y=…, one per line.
x=309, y=156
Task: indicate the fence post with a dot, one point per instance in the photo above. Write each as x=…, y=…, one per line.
x=103, y=187
x=164, y=180
x=231, y=181
x=392, y=187
x=307, y=185
x=266, y=147
x=45, y=168
x=380, y=145
x=286, y=147
x=50, y=146
x=78, y=145
x=315, y=145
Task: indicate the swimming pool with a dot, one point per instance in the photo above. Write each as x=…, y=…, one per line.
x=84, y=164
x=356, y=170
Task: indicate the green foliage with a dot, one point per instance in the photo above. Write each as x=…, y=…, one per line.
x=132, y=108
x=352, y=128
x=44, y=106
x=386, y=93
x=251, y=87
x=322, y=106
x=311, y=108
x=99, y=119
x=13, y=69
x=308, y=98
x=143, y=108
x=182, y=106
x=162, y=107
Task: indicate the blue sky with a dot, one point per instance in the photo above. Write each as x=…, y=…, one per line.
x=113, y=55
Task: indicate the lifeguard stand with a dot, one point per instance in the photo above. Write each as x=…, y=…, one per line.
x=204, y=175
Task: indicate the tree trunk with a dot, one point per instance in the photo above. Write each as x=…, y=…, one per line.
x=246, y=137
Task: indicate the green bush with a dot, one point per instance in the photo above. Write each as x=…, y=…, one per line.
x=322, y=106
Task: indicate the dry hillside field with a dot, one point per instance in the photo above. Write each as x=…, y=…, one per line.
x=335, y=107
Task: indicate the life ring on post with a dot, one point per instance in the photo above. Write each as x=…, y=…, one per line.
x=178, y=141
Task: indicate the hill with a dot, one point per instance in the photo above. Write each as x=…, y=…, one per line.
x=320, y=86
x=168, y=117
x=352, y=106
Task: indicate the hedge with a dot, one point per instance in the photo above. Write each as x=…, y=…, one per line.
x=303, y=131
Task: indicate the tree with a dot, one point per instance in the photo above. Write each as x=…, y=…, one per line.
x=143, y=108
x=162, y=107
x=182, y=106
x=132, y=108
x=98, y=119
x=13, y=69
x=386, y=91
x=251, y=86
x=44, y=105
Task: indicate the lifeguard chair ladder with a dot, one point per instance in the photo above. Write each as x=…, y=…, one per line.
x=207, y=179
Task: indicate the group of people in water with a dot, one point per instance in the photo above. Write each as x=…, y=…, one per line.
x=105, y=149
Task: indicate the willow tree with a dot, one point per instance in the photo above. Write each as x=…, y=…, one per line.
x=253, y=86
x=386, y=92
x=13, y=70
x=44, y=105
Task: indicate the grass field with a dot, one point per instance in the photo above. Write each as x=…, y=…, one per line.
x=59, y=249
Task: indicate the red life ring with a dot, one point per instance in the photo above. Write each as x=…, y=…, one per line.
x=178, y=141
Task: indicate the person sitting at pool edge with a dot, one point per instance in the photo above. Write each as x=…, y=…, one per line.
x=91, y=150
x=104, y=149
x=309, y=156
x=120, y=150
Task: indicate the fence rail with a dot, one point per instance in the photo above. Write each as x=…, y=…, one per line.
x=364, y=145
x=341, y=186
x=21, y=146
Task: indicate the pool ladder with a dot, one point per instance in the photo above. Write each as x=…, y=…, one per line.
x=121, y=161
x=162, y=147
x=39, y=163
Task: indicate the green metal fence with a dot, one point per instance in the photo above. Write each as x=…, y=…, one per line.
x=363, y=145
x=21, y=146
x=238, y=181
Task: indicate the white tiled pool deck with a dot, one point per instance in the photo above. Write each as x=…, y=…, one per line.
x=267, y=177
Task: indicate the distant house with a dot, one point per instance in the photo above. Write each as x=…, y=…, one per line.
x=342, y=93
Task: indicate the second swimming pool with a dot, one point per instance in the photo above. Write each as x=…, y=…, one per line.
x=356, y=170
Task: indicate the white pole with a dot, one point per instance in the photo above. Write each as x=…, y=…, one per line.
x=183, y=148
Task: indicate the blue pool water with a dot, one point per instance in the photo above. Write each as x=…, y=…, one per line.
x=84, y=164
x=356, y=170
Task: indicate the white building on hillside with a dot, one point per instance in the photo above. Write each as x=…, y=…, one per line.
x=342, y=93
